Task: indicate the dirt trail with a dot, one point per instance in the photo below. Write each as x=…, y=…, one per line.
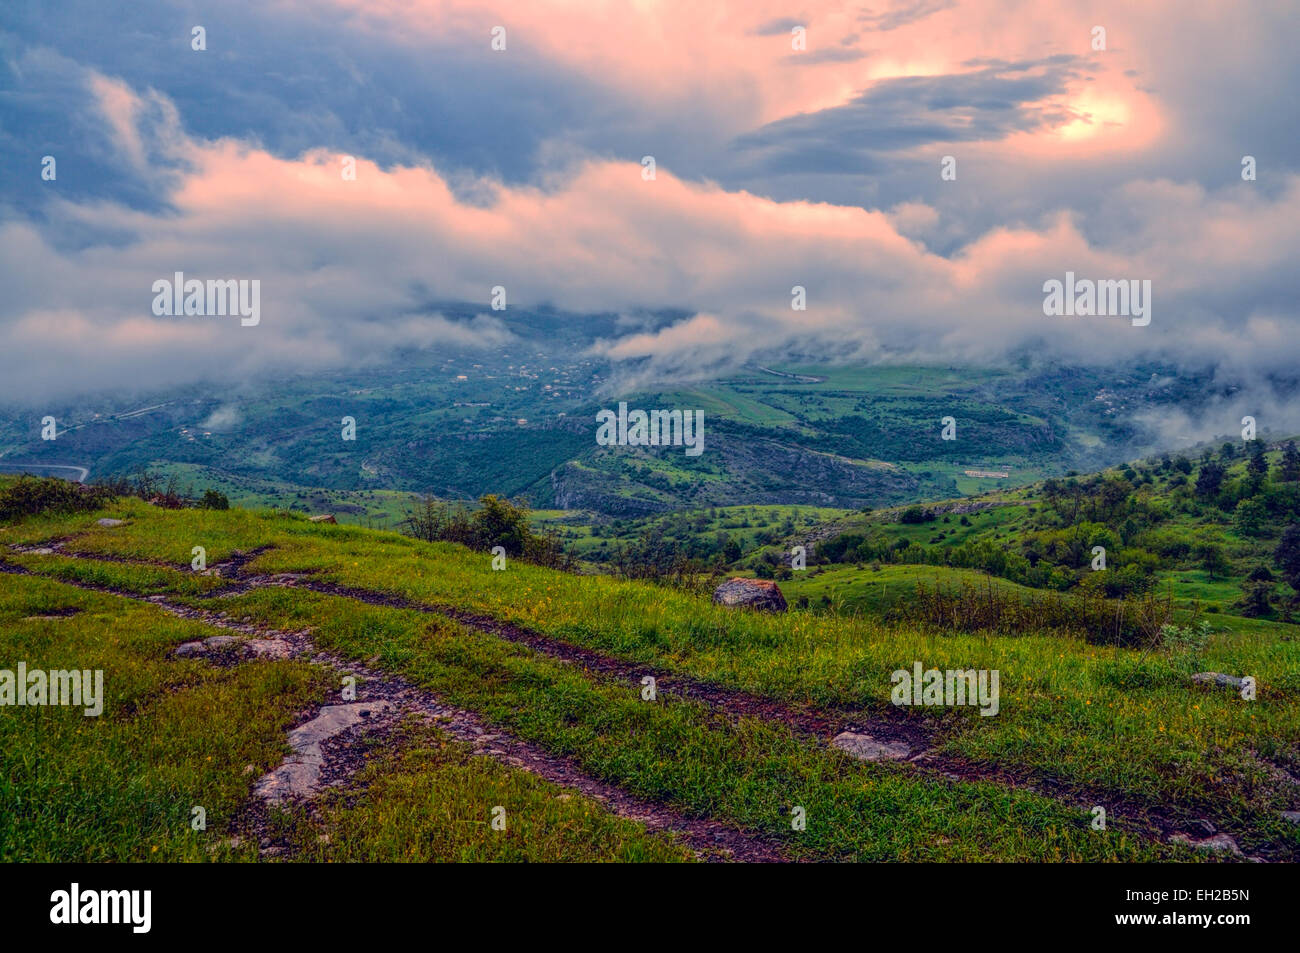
x=328, y=757
x=733, y=702
x=896, y=733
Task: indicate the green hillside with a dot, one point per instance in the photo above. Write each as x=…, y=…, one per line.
x=507, y=713
x=519, y=420
x=1208, y=530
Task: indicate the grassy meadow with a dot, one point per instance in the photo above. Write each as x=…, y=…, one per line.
x=1080, y=725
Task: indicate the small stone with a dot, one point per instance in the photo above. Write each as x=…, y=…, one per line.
x=105, y=521
x=1292, y=816
x=270, y=648
x=1218, y=678
x=213, y=645
x=866, y=748
x=1218, y=842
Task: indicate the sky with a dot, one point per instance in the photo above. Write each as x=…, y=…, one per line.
x=793, y=145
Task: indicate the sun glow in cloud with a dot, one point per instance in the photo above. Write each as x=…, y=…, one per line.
x=1095, y=121
x=1095, y=117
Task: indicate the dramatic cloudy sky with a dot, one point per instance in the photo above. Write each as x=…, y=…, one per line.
x=522, y=168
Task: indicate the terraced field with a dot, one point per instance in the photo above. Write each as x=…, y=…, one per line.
x=334, y=693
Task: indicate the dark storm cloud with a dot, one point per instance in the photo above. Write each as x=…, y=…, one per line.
x=894, y=115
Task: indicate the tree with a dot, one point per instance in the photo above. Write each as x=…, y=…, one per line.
x=1212, y=559
x=1249, y=517
x=1287, y=555
x=1257, y=599
x=1290, y=463
x=1111, y=498
x=498, y=522
x=1258, y=465
x=212, y=500
x=1210, y=480
x=730, y=548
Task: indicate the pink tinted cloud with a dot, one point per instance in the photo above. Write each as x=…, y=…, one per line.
x=347, y=268
x=735, y=57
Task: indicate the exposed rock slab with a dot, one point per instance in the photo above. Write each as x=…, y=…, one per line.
x=867, y=748
x=223, y=645
x=299, y=775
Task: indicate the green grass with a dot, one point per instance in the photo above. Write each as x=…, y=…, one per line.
x=848, y=589
x=1115, y=721
x=425, y=799
x=174, y=734
x=1096, y=717
x=1124, y=725
x=132, y=577
x=751, y=773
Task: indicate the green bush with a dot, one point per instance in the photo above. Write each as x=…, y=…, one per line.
x=28, y=496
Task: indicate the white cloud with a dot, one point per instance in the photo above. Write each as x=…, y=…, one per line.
x=347, y=269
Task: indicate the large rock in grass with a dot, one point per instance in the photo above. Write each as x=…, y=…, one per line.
x=761, y=594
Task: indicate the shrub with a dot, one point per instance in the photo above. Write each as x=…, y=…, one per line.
x=1186, y=643
x=28, y=496
x=497, y=522
x=916, y=514
x=1137, y=621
